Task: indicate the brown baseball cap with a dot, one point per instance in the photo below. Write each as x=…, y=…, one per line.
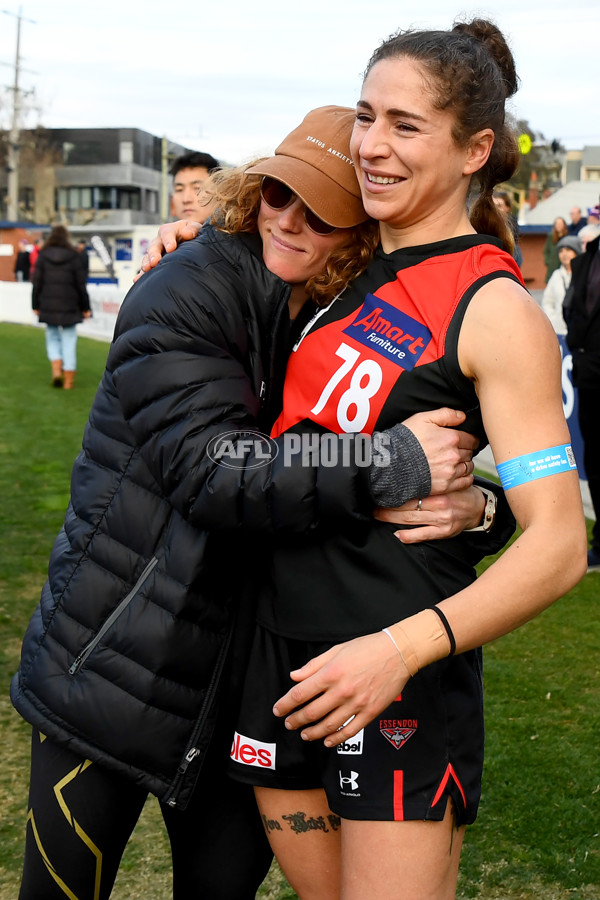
x=314, y=161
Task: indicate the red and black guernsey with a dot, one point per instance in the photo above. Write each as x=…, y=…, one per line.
x=385, y=349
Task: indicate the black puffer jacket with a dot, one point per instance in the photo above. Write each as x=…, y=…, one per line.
x=122, y=658
x=583, y=327
x=59, y=290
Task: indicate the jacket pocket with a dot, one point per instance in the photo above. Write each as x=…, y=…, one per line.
x=124, y=603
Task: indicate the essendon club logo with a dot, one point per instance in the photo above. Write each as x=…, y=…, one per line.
x=397, y=731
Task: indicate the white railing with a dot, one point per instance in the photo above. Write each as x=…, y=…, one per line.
x=105, y=300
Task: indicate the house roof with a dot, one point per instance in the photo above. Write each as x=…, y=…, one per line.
x=8, y=224
x=576, y=193
x=590, y=156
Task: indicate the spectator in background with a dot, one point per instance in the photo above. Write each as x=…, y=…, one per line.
x=60, y=299
x=593, y=217
x=22, y=263
x=33, y=255
x=189, y=172
x=551, y=260
x=583, y=339
x=588, y=233
x=503, y=203
x=554, y=294
x=83, y=257
x=577, y=220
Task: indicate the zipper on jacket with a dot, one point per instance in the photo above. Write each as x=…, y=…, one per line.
x=79, y=661
x=193, y=751
x=189, y=757
x=312, y=321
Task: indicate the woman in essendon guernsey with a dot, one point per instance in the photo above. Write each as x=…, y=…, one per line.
x=379, y=742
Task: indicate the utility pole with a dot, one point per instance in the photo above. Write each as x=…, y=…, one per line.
x=12, y=163
x=164, y=174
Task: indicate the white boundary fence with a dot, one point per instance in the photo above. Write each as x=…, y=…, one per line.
x=105, y=300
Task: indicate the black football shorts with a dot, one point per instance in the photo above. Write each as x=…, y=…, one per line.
x=426, y=747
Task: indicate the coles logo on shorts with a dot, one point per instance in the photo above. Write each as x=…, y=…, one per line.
x=354, y=745
x=397, y=731
x=251, y=752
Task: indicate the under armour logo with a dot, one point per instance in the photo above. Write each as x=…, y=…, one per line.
x=349, y=782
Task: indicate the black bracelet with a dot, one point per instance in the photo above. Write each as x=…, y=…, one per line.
x=446, y=625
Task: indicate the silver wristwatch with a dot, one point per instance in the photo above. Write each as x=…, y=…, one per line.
x=489, y=513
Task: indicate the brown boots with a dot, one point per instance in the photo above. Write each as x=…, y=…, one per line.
x=61, y=379
x=57, y=376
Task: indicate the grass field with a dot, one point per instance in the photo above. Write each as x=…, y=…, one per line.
x=538, y=834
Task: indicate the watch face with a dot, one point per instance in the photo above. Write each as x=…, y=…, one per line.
x=489, y=513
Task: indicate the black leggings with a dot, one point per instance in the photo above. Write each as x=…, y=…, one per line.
x=589, y=425
x=81, y=815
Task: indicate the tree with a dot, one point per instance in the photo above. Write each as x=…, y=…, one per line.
x=545, y=159
x=37, y=160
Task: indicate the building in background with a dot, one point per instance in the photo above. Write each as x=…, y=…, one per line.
x=83, y=176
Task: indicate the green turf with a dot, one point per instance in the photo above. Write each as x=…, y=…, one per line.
x=538, y=831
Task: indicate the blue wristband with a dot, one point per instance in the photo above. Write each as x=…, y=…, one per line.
x=536, y=465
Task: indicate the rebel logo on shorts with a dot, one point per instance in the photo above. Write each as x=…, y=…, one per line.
x=390, y=332
x=354, y=745
x=397, y=731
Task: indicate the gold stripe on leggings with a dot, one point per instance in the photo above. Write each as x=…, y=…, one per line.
x=81, y=834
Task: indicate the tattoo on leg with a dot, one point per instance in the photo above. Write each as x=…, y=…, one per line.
x=271, y=824
x=300, y=824
x=334, y=821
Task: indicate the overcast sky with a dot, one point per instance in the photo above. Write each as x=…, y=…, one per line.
x=233, y=78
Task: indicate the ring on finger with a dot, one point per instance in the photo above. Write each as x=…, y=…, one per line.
x=419, y=506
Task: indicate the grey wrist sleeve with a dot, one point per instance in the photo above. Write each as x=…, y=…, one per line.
x=403, y=474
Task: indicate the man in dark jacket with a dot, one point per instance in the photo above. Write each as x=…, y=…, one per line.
x=22, y=262
x=577, y=221
x=83, y=257
x=583, y=338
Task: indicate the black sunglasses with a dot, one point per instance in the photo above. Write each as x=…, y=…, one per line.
x=278, y=196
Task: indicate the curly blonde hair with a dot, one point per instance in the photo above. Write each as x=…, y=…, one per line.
x=236, y=197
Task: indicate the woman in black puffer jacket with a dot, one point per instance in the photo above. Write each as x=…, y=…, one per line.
x=123, y=664
x=60, y=299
